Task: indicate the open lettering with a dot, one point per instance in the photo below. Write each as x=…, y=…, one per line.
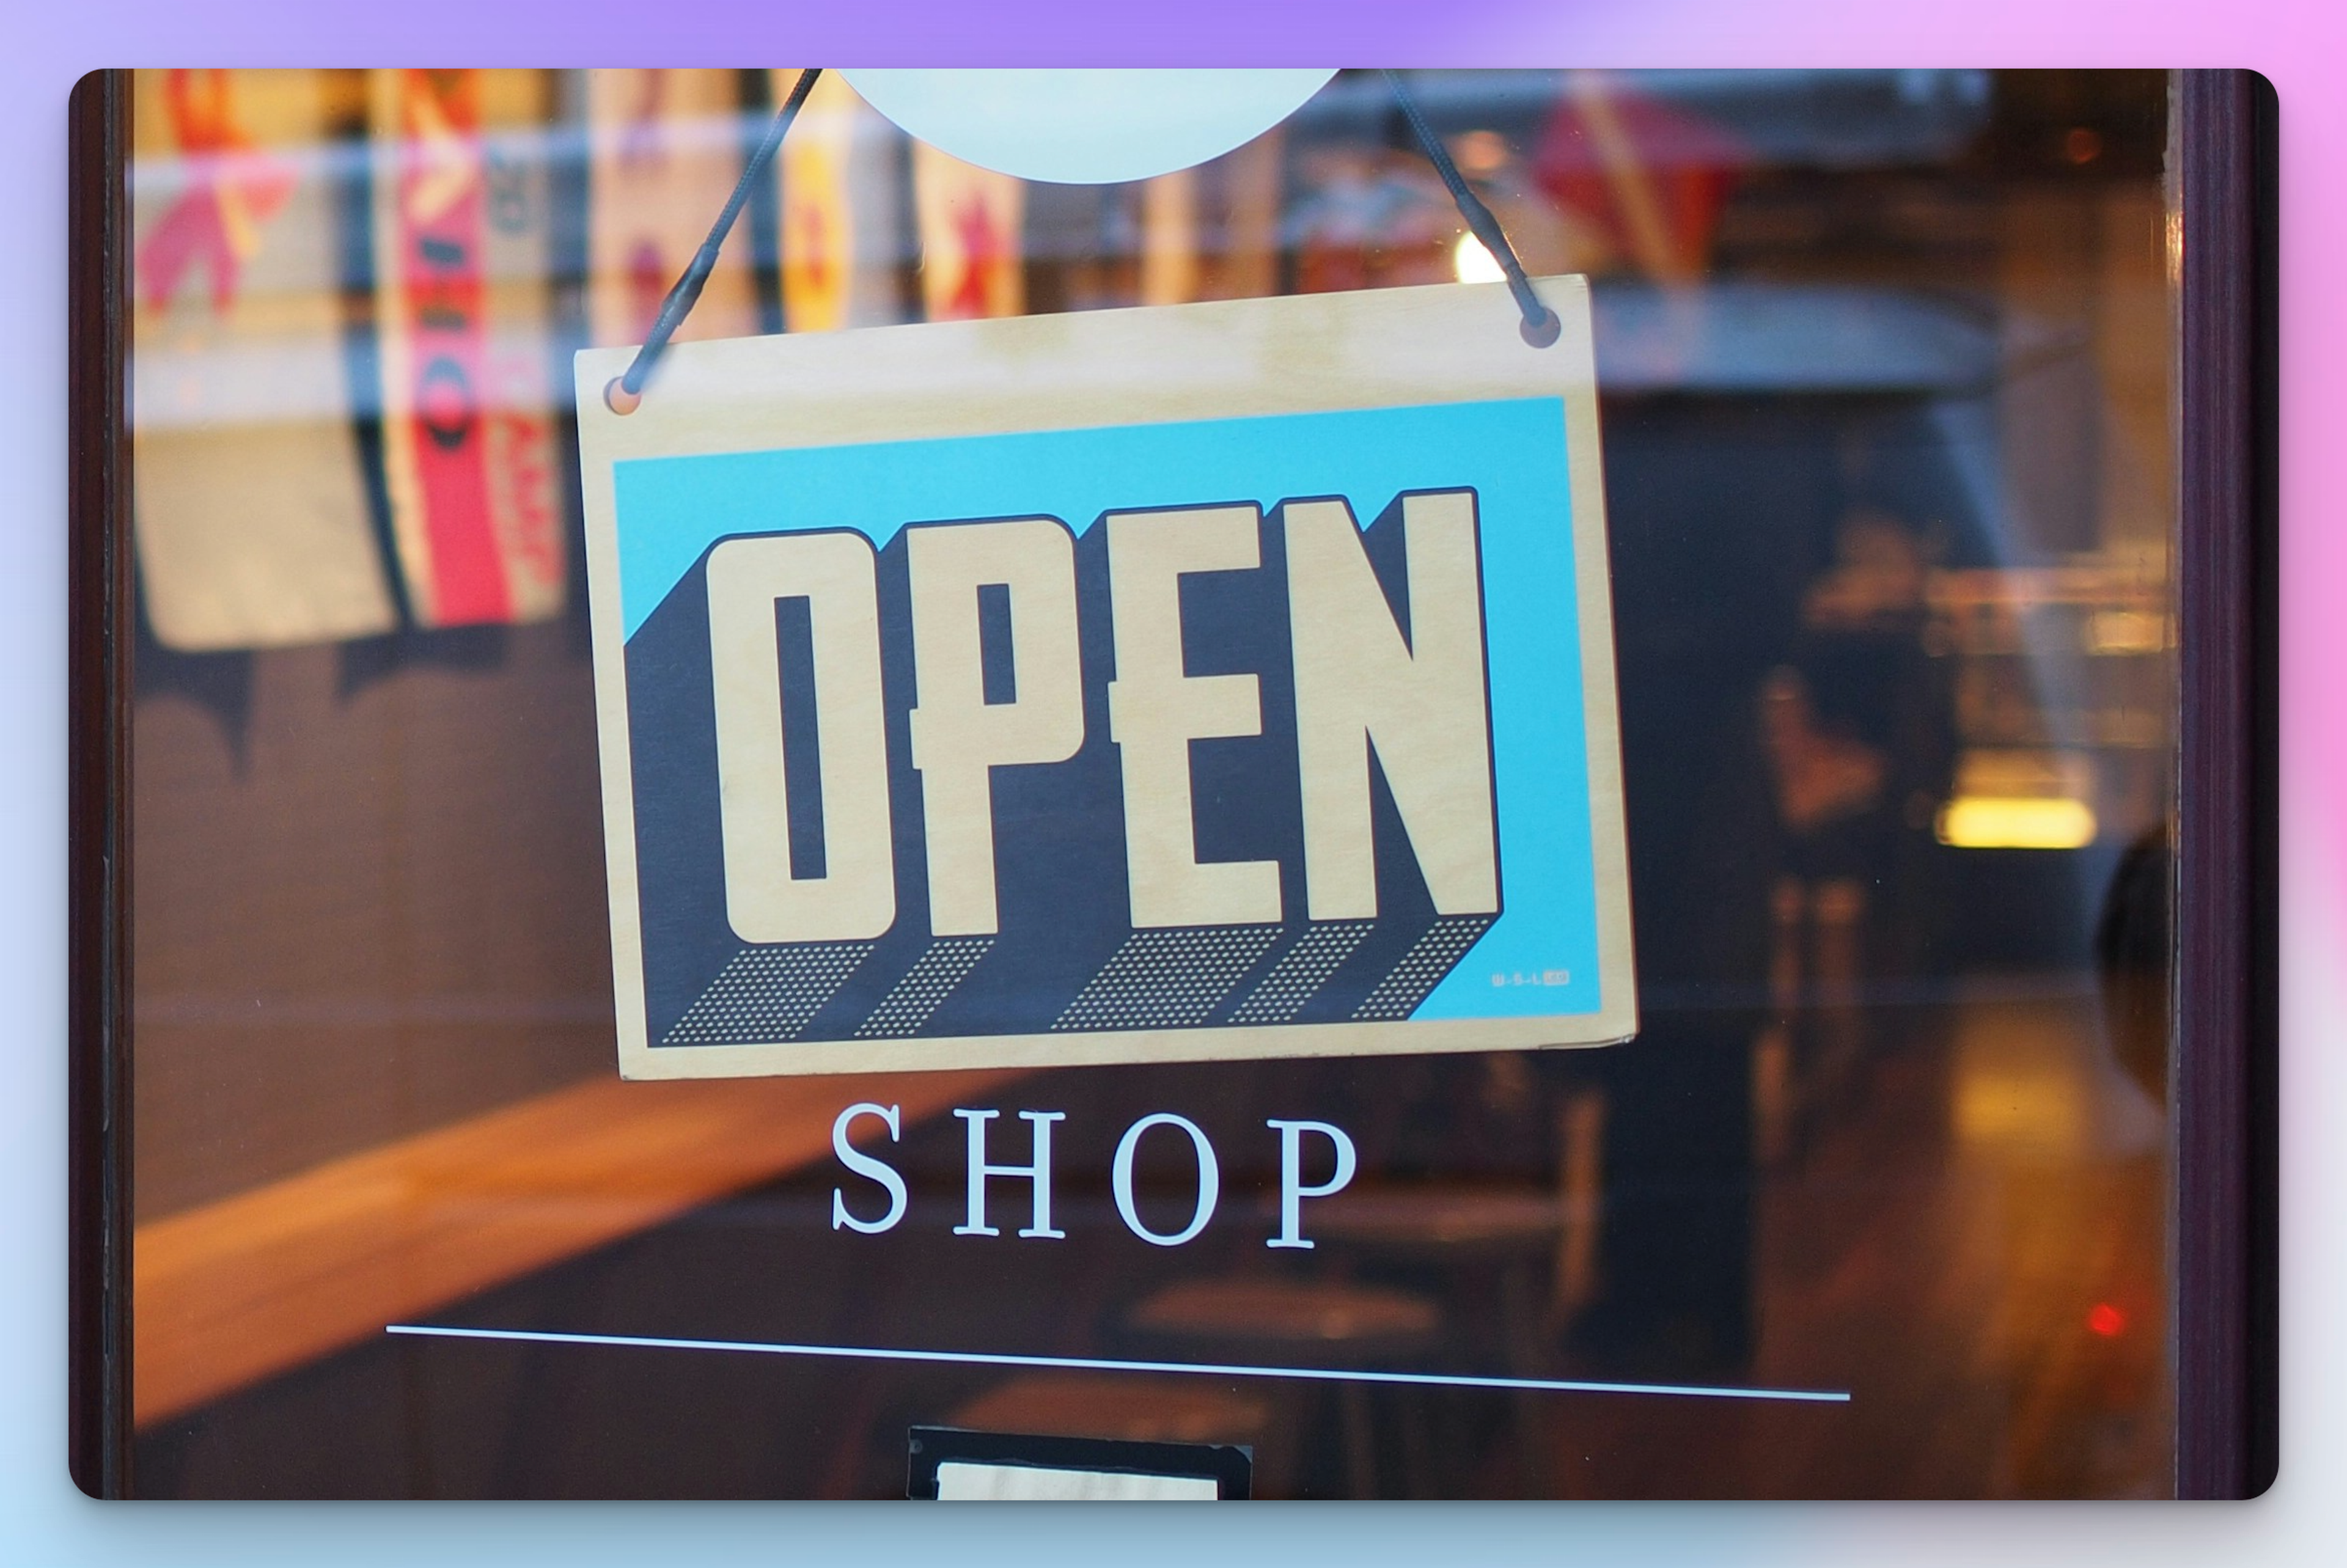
x=1381, y=669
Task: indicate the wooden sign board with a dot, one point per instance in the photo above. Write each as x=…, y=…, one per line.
x=1214, y=681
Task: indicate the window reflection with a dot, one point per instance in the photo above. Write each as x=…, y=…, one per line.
x=1883, y=358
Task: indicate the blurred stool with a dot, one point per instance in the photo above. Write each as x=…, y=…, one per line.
x=1184, y=1409
x=1512, y=1232
x=1511, y=1226
x=1806, y=1062
x=1302, y=1323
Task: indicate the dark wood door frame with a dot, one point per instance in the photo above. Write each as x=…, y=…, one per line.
x=2223, y=1070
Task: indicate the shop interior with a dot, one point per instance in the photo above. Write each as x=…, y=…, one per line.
x=1886, y=394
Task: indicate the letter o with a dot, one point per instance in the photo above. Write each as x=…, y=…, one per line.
x=443, y=403
x=1210, y=1179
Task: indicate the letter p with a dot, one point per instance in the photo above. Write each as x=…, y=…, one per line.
x=1292, y=1190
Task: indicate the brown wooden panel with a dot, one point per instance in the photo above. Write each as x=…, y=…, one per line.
x=375, y=909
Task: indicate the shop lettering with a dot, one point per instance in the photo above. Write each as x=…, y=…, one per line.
x=981, y=1218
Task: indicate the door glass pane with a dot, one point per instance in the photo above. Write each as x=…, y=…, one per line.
x=1885, y=396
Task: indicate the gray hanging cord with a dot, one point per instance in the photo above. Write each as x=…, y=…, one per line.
x=1541, y=327
x=627, y=391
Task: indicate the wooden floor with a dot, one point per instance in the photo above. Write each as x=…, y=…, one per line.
x=1968, y=1236
x=1971, y=1246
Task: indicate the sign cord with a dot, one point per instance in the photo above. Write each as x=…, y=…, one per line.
x=624, y=394
x=1541, y=327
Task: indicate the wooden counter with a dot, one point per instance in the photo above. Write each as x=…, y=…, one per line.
x=238, y=1290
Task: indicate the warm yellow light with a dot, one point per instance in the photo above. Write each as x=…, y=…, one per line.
x=1474, y=264
x=1993, y=822
x=2042, y=1109
x=2125, y=631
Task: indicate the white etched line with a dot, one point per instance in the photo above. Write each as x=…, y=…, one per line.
x=1089, y=1364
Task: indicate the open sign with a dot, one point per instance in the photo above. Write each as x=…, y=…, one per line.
x=1220, y=680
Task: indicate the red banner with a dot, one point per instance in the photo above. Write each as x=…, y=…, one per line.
x=466, y=437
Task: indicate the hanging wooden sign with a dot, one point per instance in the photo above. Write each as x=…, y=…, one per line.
x=1214, y=681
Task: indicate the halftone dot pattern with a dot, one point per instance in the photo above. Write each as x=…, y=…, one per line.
x=925, y=987
x=1301, y=971
x=768, y=994
x=1168, y=978
x=1421, y=968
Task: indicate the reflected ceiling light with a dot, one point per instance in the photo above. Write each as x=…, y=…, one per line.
x=1474, y=264
x=1481, y=152
x=1991, y=822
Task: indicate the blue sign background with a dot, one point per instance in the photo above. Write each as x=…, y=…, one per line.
x=1541, y=956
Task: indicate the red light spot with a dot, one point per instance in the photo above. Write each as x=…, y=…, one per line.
x=2106, y=1320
